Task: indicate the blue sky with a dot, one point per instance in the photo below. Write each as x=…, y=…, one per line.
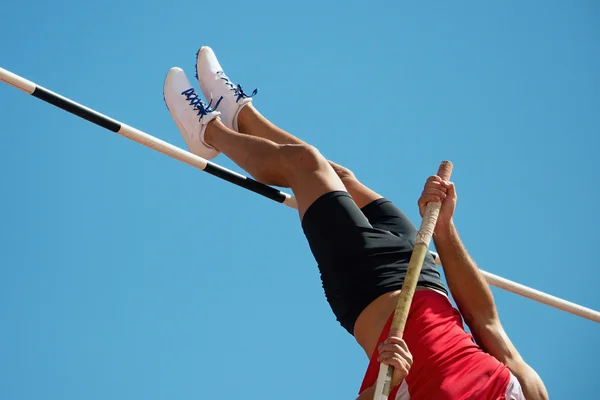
x=127, y=275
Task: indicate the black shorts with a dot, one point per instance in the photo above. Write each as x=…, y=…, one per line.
x=362, y=254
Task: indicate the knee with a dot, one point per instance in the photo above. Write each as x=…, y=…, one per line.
x=302, y=157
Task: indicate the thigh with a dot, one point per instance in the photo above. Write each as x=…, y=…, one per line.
x=383, y=214
x=351, y=254
x=335, y=228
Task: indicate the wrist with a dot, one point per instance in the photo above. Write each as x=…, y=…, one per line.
x=444, y=228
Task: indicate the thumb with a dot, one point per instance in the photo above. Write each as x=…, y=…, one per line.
x=450, y=190
x=397, y=377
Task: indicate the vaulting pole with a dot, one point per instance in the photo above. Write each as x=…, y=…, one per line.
x=383, y=385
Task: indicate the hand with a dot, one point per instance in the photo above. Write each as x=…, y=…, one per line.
x=394, y=352
x=437, y=189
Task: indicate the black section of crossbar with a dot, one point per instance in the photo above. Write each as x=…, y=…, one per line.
x=115, y=126
x=245, y=182
x=75, y=108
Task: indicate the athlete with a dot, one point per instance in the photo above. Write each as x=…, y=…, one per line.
x=362, y=244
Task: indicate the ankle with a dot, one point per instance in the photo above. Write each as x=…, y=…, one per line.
x=245, y=118
x=212, y=130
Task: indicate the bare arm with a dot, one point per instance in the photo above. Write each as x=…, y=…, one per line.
x=468, y=287
x=471, y=292
x=474, y=299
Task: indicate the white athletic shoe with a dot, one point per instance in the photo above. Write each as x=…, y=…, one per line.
x=190, y=113
x=216, y=85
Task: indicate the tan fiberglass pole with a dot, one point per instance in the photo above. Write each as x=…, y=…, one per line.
x=384, y=380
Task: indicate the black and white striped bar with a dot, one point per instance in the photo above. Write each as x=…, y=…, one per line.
x=248, y=183
x=145, y=139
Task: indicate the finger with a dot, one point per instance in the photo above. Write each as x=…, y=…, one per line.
x=440, y=184
x=399, y=374
x=425, y=199
x=397, y=379
x=435, y=191
x=385, y=355
x=395, y=350
x=423, y=204
x=451, y=190
x=437, y=185
x=391, y=348
x=434, y=178
x=400, y=365
x=402, y=368
x=392, y=345
x=395, y=362
x=397, y=340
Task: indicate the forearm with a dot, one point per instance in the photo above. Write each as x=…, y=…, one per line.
x=476, y=304
x=467, y=285
x=473, y=297
x=471, y=292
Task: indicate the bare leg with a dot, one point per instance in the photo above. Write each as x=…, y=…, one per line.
x=297, y=166
x=251, y=122
x=360, y=193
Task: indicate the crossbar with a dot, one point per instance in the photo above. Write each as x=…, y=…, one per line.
x=245, y=182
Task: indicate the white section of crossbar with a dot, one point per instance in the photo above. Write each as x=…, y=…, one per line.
x=535, y=294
